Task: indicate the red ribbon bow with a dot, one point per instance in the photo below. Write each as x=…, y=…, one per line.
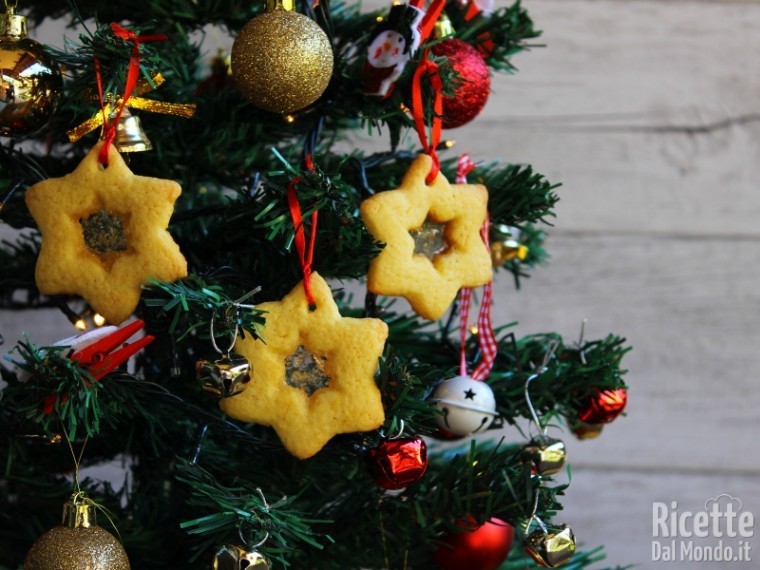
x=133, y=72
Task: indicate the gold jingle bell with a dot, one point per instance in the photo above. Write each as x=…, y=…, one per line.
x=231, y=557
x=582, y=430
x=224, y=377
x=548, y=455
x=551, y=550
x=505, y=245
x=130, y=136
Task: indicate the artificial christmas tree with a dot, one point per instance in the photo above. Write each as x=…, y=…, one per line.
x=269, y=419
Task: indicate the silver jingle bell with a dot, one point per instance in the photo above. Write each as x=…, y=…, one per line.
x=224, y=377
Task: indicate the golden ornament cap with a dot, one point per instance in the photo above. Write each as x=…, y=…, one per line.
x=443, y=27
x=79, y=512
x=287, y=5
x=12, y=25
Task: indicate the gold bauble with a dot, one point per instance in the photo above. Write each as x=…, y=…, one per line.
x=282, y=61
x=30, y=80
x=78, y=544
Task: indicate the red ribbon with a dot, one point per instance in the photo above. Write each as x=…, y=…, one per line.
x=486, y=337
x=431, y=16
x=133, y=73
x=305, y=254
x=428, y=70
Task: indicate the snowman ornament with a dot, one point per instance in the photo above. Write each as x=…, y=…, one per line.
x=468, y=406
x=391, y=46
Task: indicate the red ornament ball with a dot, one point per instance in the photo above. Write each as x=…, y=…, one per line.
x=603, y=406
x=483, y=547
x=397, y=463
x=472, y=93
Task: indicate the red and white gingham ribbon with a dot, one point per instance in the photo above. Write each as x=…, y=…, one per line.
x=486, y=337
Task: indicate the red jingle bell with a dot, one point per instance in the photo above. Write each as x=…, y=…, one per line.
x=483, y=547
x=603, y=406
x=397, y=463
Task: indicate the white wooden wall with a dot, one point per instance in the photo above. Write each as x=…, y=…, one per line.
x=648, y=113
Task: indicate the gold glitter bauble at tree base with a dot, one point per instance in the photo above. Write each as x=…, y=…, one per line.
x=282, y=61
x=78, y=544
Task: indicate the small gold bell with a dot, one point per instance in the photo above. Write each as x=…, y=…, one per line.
x=224, y=377
x=130, y=136
x=231, y=557
x=547, y=455
x=505, y=245
x=553, y=549
x=582, y=430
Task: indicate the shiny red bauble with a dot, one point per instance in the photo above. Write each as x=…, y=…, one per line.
x=603, y=406
x=475, y=82
x=397, y=463
x=485, y=548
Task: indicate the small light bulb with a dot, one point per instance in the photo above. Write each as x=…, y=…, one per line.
x=80, y=324
x=379, y=19
x=473, y=330
x=289, y=119
x=98, y=319
x=449, y=143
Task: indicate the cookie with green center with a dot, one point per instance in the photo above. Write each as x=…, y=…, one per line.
x=104, y=234
x=313, y=372
x=432, y=240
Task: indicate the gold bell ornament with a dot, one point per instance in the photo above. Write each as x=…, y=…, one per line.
x=30, y=80
x=130, y=136
x=225, y=376
x=546, y=454
x=78, y=544
x=505, y=245
x=232, y=557
x=551, y=549
x=281, y=60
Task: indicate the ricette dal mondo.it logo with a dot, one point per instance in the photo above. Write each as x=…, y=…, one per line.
x=719, y=533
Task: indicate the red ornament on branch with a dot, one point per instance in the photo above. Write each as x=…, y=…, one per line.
x=483, y=547
x=397, y=463
x=475, y=80
x=603, y=406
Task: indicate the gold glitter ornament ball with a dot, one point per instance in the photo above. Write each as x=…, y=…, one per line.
x=63, y=548
x=78, y=544
x=282, y=61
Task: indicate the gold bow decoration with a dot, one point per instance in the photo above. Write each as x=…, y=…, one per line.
x=185, y=110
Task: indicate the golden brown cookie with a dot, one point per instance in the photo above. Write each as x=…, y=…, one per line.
x=432, y=240
x=104, y=234
x=313, y=373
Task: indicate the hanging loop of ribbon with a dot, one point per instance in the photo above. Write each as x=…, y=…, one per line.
x=184, y=110
x=133, y=72
x=486, y=337
x=305, y=250
x=428, y=70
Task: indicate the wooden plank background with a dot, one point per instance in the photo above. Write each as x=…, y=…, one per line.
x=648, y=113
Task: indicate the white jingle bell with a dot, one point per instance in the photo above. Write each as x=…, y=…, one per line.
x=468, y=405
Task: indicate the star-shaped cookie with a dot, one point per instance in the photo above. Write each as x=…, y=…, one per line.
x=313, y=373
x=429, y=282
x=104, y=234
